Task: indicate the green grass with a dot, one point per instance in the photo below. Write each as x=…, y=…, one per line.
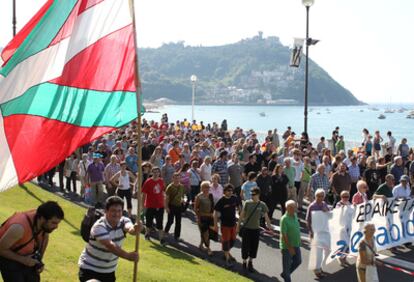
x=157, y=263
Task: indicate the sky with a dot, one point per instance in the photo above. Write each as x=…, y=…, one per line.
x=365, y=45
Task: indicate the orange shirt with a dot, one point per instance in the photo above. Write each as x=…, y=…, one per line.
x=21, y=218
x=174, y=154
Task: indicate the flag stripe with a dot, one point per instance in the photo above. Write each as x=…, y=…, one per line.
x=67, y=27
x=9, y=50
x=105, y=18
x=38, y=144
x=42, y=34
x=107, y=65
x=8, y=176
x=75, y=106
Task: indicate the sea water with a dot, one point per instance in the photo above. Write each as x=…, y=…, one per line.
x=321, y=120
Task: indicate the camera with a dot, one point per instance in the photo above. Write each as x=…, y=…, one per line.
x=38, y=256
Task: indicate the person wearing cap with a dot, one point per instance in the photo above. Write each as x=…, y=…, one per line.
x=95, y=178
x=402, y=190
x=397, y=169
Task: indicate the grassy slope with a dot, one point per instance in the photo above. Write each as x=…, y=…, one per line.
x=157, y=263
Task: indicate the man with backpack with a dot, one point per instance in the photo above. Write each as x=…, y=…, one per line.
x=99, y=258
x=23, y=241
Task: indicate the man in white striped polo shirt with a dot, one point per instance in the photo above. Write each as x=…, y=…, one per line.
x=99, y=259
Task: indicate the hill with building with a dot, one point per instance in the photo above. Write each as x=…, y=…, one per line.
x=252, y=71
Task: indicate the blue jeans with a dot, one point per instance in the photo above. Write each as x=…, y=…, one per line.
x=290, y=263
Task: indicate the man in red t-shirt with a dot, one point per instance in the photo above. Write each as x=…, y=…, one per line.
x=153, y=198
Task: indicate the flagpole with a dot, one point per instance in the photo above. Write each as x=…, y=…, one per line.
x=139, y=134
x=14, y=18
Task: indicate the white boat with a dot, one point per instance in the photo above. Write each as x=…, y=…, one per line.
x=381, y=116
x=411, y=116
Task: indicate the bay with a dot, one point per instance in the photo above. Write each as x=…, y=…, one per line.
x=321, y=120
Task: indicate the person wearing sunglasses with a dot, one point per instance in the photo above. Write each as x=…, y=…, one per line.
x=250, y=216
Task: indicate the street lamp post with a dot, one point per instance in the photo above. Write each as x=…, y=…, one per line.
x=193, y=81
x=307, y=4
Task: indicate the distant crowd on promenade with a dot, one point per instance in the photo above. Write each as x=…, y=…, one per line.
x=230, y=178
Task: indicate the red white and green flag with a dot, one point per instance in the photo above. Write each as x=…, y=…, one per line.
x=66, y=79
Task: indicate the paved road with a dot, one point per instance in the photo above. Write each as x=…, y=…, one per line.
x=269, y=261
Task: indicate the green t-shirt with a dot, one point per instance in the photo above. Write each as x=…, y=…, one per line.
x=340, y=145
x=175, y=194
x=290, y=173
x=307, y=173
x=254, y=221
x=289, y=225
x=383, y=189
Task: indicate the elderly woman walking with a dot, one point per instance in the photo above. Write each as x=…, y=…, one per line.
x=366, y=264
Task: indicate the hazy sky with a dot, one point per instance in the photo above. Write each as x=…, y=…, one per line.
x=365, y=44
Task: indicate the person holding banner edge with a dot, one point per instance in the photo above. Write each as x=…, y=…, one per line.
x=318, y=205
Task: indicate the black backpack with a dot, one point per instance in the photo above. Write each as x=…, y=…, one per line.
x=92, y=215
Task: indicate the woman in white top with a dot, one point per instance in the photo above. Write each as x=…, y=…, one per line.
x=82, y=168
x=123, y=180
x=215, y=188
x=205, y=169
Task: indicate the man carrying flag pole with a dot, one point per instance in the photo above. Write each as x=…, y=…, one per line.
x=139, y=139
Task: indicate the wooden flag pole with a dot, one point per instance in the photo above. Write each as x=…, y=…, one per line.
x=139, y=134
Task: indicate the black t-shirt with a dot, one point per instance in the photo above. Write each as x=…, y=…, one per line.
x=227, y=209
x=265, y=186
x=279, y=189
x=251, y=167
x=271, y=166
x=373, y=179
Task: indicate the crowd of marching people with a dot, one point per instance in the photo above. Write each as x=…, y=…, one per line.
x=231, y=179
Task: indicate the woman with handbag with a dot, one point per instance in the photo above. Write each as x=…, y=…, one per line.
x=366, y=264
x=249, y=227
x=203, y=208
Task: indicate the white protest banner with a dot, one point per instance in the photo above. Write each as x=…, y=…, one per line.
x=393, y=219
x=338, y=224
